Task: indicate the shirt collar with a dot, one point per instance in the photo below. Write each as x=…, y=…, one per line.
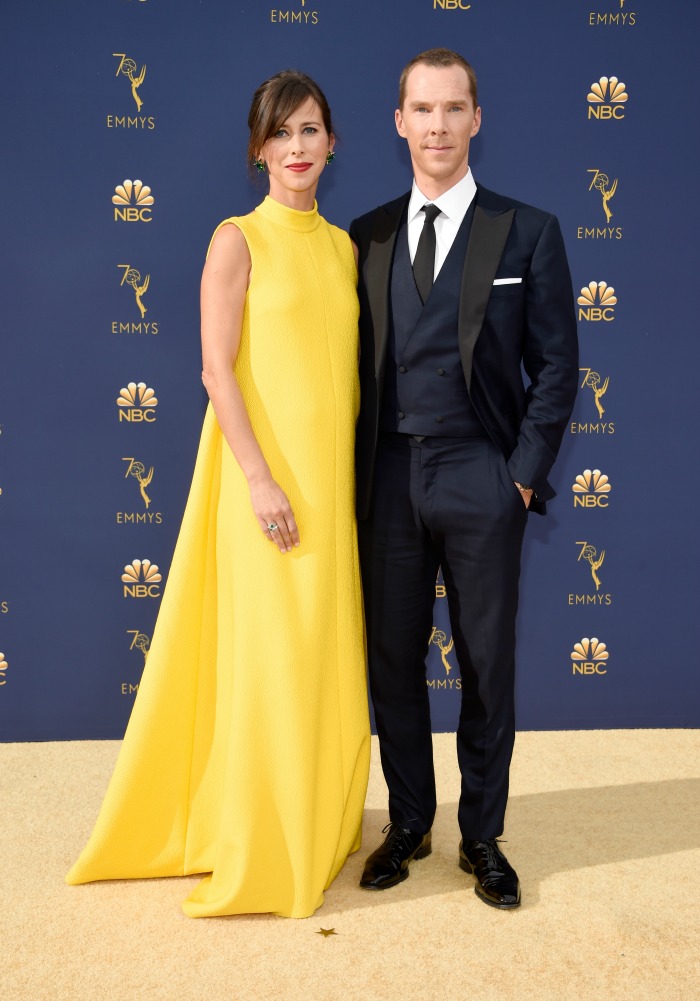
x=453, y=203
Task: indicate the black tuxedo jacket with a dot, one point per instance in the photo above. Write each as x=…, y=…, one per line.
x=530, y=323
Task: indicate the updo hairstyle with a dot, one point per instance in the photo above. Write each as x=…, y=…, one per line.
x=275, y=100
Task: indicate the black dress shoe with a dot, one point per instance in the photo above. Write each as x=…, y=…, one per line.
x=496, y=879
x=388, y=865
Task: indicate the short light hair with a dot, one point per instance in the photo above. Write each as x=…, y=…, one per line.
x=441, y=58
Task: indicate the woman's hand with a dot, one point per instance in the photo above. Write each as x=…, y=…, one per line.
x=271, y=507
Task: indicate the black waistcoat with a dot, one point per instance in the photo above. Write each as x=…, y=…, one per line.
x=424, y=388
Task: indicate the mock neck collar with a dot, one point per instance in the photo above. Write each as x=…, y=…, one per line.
x=295, y=219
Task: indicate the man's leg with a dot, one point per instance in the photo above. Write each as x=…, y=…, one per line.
x=399, y=567
x=480, y=517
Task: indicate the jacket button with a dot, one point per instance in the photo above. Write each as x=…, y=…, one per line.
x=402, y=369
x=439, y=420
x=401, y=415
x=441, y=371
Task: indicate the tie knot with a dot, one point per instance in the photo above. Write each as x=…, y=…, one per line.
x=431, y=212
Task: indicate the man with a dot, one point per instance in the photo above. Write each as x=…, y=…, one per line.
x=458, y=288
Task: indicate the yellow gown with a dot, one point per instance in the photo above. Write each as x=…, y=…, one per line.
x=247, y=752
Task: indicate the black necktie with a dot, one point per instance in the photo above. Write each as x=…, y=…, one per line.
x=424, y=261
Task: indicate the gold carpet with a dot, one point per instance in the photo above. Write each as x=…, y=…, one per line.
x=603, y=828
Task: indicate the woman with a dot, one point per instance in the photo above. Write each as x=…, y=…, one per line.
x=247, y=752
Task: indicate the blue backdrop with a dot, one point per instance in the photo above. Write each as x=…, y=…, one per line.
x=588, y=111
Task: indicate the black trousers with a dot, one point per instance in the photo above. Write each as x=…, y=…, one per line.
x=450, y=503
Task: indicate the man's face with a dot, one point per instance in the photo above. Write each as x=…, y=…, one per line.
x=438, y=119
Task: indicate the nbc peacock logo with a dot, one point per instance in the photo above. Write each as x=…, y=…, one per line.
x=606, y=99
x=3, y=669
x=589, y=657
x=591, y=488
x=141, y=579
x=137, y=402
x=597, y=302
x=451, y=5
x=132, y=202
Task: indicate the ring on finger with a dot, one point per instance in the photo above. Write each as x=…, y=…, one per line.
x=273, y=527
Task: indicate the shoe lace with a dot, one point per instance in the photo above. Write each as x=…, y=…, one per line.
x=398, y=840
x=492, y=854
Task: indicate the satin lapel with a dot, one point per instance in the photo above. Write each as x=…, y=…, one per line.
x=378, y=276
x=484, y=251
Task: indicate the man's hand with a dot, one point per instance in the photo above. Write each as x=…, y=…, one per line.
x=526, y=493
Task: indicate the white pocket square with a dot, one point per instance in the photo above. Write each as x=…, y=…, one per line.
x=507, y=281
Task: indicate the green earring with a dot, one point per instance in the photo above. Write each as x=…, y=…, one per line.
x=330, y=157
x=260, y=164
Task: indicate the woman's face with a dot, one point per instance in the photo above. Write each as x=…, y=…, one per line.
x=296, y=155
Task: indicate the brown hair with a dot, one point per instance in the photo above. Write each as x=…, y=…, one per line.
x=441, y=58
x=275, y=100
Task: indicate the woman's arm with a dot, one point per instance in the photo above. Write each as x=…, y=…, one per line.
x=224, y=285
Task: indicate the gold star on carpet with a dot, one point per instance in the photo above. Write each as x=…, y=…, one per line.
x=326, y=932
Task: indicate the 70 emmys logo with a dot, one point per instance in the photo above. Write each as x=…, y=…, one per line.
x=588, y=554
x=601, y=182
x=294, y=16
x=3, y=668
x=591, y=380
x=141, y=579
x=618, y=19
x=137, y=403
x=132, y=276
x=606, y=99
x=439, y=639
x=135, y=77
x=138, y=471
x=132, y=201
x=140, y=642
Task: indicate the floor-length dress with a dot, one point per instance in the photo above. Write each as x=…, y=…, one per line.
x=247, y=752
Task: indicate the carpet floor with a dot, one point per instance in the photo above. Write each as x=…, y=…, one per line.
x=603, y=828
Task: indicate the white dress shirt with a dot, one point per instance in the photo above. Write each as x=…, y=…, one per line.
x=453, y=205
